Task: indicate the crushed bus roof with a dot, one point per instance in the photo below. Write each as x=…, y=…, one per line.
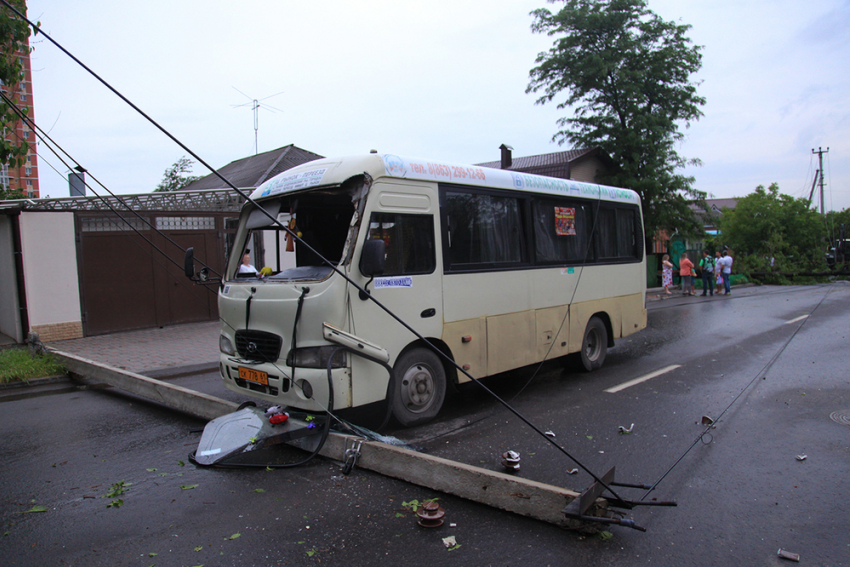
x=333, y=171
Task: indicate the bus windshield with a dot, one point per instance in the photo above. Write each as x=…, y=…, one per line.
x=322, y=218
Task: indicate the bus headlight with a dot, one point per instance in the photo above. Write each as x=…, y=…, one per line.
x=315, y=357
x=225, y=345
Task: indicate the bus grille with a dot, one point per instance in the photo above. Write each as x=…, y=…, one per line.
x=258, y=346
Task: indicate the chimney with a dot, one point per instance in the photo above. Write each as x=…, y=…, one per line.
x=77, y=183
x=506, y=156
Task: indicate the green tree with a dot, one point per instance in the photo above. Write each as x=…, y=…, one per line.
x=14, y=39
x=175, y=177
x=836, y=218
x=839, y=240
x=626, y=75
x=768, y=224
x=11, y=194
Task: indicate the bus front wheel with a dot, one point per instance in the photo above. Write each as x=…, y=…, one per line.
x=420, y=387
x=594, y=345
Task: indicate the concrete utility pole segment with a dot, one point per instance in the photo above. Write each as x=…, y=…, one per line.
x=820, y=151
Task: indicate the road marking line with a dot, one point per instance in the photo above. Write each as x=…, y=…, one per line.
x=800, y=318
x=643, y=378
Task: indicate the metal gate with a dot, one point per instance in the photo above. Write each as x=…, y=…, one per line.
x=133, y=279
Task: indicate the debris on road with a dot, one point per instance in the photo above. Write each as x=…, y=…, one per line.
x=430, y=515
x=802, y=458
x=572, y=471
x=550, y=433
x=788, y=555
x=623, y=429
x=450, y=543
x=510, y=460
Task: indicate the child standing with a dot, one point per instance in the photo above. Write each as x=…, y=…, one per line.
x=666, y=273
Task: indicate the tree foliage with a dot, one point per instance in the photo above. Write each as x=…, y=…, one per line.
x=625, y=74
x=768, y=224
x=175, y=177
x=14, y=36
x=835, y=218
x=11, y=194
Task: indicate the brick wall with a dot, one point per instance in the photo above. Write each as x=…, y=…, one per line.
x=59, y=331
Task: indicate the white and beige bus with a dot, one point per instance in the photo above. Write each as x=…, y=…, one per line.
x=496, y=269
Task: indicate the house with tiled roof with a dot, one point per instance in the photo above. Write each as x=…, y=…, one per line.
x=578, y=165
x=251, y=172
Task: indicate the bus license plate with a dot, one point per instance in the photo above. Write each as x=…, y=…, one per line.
x=252, y=375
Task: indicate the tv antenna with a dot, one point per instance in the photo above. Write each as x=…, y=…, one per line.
x=255, y=106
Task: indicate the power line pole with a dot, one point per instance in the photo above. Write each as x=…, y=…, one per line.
x=820, y=153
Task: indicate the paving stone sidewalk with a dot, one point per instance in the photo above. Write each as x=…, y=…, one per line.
x=158, y=351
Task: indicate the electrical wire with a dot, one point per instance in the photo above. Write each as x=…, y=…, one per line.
x=113, y=221
x=332, y=266
x=572, y=298
x=45, y=138
x=761, y=374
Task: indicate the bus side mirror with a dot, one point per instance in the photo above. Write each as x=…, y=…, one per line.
x=189, y=263
x=372, y=258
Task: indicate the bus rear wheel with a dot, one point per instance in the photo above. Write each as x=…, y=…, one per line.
x=420, y=387
x=594, y=345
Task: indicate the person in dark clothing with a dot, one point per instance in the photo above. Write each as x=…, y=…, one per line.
x=707, y=267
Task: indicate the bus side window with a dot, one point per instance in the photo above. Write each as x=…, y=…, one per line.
x=626, y=233
x=484, y=231
x=561, y=232
x=618, y=235
x=606, y=233
x=408, y=240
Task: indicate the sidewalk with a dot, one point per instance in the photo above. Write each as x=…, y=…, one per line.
x=156, y=353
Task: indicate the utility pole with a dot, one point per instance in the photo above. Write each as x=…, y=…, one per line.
x=820, y=153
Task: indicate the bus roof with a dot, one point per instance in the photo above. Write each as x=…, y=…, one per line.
x=333, y=171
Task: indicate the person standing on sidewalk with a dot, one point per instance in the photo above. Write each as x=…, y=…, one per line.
x=718, y=272
x=666, y=274
x=686, y=271
x=726, y=263
x=707, y=267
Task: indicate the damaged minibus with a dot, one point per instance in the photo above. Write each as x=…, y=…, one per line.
x=495, y=269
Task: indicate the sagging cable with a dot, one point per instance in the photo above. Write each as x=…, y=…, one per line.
x=761, y=374
x=50, y=143
x=333, y=267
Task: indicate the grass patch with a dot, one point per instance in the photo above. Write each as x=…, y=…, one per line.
x=17, y=364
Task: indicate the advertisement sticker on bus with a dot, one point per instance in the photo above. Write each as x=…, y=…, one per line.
x=293, y=182
x=565, y=221
x=404, y=281
x=410, y=168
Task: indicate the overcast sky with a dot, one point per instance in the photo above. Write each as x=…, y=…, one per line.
x=443, y=79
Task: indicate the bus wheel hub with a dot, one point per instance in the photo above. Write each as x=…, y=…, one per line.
x=418, y=387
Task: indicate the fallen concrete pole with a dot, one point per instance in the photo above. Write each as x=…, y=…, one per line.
x=177, y=397
x=499, y=490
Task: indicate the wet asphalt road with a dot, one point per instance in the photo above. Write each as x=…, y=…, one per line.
x=742, y=493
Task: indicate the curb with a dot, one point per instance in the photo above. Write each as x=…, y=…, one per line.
x=159, y=374
x=35, y=382
x=180, y=371
x=657, y=293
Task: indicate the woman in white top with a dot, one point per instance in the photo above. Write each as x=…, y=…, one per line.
x=245, y=267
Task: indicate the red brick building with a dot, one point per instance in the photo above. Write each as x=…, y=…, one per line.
x=25, y=177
